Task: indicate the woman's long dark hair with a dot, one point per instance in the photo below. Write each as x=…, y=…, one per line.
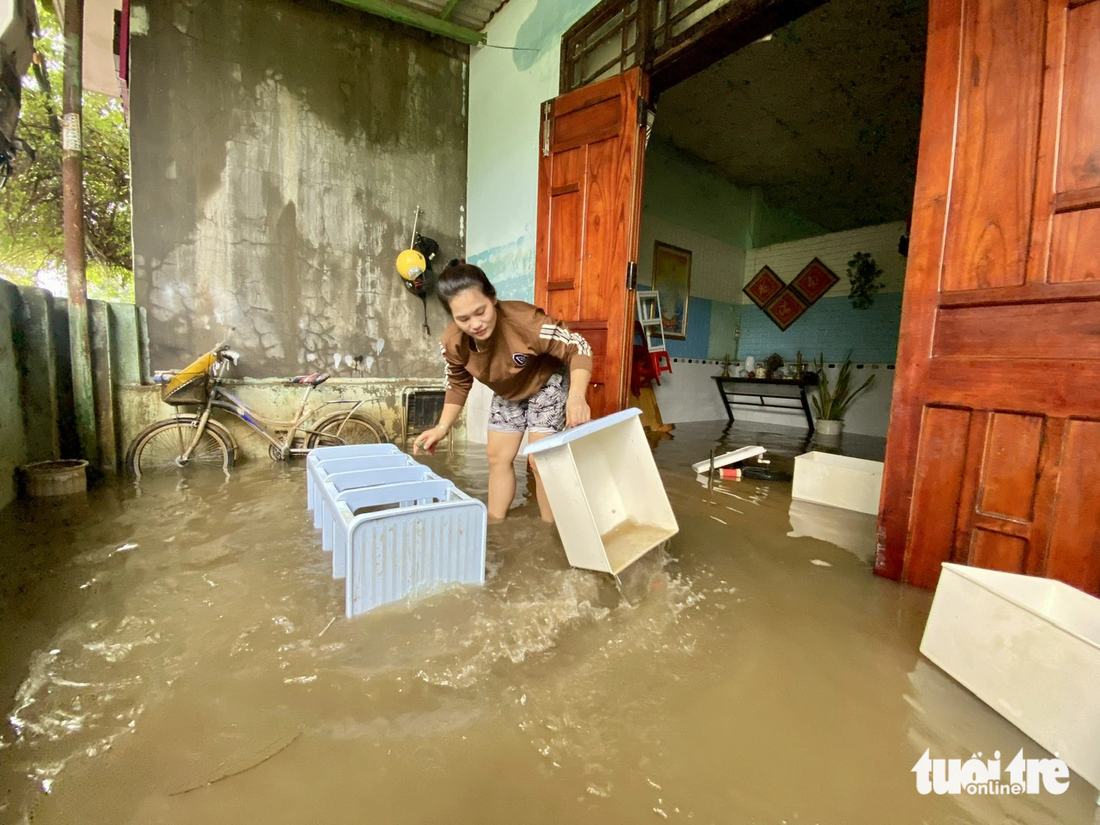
x=460, y=276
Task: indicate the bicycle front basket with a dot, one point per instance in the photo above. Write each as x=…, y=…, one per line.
x=191, y=384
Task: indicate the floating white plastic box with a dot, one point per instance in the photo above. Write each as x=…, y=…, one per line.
x=603, y=486
x=1030, y=649
x=838, y=480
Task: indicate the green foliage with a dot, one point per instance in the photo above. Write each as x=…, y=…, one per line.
x=831, y=403
x=32, y=241
x=863, y=275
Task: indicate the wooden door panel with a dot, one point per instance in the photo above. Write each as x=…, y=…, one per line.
x=1079, y=149
x=588, y=215
x=595, y=332
x=1074, y=553
x=590, y=122
x=966, y=332
x=566, y=216
x=993, y=454
x=996, y=551
x=1009, y=467
x=605, y=254
x=941, y=454
x=1075, y=247
x=1066, y=389
x=990, y=212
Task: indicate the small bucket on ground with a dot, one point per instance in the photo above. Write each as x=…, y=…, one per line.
x=55, y=478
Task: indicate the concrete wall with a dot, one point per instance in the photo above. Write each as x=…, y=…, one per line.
x=36, y=407
x=140, y=406
x=279, y=149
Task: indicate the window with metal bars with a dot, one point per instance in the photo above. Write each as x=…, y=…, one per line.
x=603, y=43
x=674, y=17
x=619, y=34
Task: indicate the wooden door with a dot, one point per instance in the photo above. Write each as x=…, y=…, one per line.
x=591, y=152
x=993, y=454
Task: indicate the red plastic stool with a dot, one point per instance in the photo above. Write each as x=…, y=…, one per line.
x=642, y=370
x=660, y=362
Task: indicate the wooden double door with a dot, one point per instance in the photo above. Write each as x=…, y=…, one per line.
x=993, y=452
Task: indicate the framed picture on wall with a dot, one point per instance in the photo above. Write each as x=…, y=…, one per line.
x=672, y=280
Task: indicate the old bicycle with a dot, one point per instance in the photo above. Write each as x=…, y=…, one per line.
x=198, y=440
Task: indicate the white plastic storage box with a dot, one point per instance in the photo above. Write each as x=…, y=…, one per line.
x=838, y=480
x=603, y=486
x=1030, y=649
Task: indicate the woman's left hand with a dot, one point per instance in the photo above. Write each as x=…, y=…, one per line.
x=576, y=411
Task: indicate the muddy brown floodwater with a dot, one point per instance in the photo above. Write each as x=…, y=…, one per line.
x=170, y=655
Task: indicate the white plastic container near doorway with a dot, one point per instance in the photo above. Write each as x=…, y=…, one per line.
x=1030, y=649
x=838, y=481
x=603, y=486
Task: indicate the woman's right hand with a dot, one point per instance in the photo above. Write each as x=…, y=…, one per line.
x=427, y=440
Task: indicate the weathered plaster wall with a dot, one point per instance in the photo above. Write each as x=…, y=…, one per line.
x=280, y=148
x=140, y=406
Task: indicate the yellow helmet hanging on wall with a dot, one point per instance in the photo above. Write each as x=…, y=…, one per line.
x=411, y=264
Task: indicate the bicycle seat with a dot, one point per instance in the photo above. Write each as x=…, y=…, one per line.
x=312, y=379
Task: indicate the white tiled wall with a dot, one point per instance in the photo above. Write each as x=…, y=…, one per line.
x=834, y=250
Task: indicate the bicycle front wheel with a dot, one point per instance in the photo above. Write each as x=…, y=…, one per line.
x=158, y=450
x=346, y=429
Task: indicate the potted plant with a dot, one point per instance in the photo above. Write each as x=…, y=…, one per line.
x=863, y=275
x=834, y=398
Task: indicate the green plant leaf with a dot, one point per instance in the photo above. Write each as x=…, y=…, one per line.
x=32, y=238
x=831, y=403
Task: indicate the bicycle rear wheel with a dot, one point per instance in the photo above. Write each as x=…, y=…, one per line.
x=344, y=429
x=158, y=449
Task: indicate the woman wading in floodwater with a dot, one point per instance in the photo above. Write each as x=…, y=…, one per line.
x=522, y=355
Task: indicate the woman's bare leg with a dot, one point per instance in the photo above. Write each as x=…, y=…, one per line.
x=540, y=493
x=502, y=449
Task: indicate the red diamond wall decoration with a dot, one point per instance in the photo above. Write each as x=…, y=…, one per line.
x=786, y=308
x=763, y=287
x=784, y=303
x=814, y=281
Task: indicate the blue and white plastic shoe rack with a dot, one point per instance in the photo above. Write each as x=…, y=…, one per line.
x=395, y=529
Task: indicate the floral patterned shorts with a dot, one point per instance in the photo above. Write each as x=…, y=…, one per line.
x=543, y=412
